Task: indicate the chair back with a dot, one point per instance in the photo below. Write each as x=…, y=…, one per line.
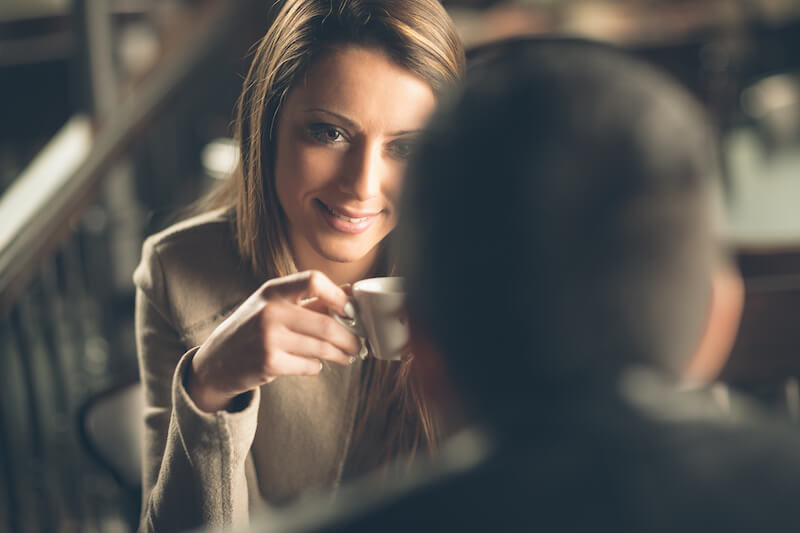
x=110, y=424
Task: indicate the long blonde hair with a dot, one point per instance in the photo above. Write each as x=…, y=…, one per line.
x=417, y=35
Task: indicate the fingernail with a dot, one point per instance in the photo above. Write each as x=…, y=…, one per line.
x=351, y=360
x=349, y=310
x=320, y=366
x=363, y=352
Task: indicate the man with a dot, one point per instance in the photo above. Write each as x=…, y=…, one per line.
x=566, y=280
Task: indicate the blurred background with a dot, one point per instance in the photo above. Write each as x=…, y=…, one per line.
x=114, y=114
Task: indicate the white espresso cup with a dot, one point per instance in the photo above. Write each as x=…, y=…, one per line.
x=379, y=316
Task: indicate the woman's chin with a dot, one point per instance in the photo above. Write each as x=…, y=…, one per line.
x=339, y=252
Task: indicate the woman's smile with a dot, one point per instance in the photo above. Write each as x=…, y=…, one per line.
x=345, y=219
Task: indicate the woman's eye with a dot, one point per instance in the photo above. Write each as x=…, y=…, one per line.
x=325, y=133
x=403, y=149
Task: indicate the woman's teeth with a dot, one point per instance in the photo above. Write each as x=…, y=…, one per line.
x=345, y=218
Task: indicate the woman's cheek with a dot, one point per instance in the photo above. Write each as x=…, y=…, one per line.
x=393, y=189
x=319, y=167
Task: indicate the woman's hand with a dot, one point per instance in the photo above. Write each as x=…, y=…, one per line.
x=282, y=329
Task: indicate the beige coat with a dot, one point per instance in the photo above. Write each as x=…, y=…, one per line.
x=200, y=468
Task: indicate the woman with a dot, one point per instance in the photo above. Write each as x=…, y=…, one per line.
x=253, y=392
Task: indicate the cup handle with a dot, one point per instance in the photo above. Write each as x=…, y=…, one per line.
x=355, y=326
x=352, y=324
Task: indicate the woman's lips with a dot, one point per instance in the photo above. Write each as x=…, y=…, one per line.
x=346, y=220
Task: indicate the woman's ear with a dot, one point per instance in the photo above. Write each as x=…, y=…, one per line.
x=722, y=324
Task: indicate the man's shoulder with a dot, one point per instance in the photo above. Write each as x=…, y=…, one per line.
x=743, y=475
x=655, y=477
x=726, y=450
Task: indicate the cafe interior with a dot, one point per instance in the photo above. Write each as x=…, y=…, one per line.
x=116, y=114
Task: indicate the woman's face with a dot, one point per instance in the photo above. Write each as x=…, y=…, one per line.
x=344, y=134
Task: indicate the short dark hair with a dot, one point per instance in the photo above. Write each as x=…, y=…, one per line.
x=555, y=221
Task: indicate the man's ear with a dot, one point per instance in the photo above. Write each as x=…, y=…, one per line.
x=722, y=324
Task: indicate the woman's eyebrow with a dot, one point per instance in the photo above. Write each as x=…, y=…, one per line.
x=353, y=124
x=348, y=121
x=405, y=132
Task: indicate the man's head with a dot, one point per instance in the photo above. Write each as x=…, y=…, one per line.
x=558, y=223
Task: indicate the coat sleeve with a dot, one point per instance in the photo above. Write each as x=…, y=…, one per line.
x=194, y=463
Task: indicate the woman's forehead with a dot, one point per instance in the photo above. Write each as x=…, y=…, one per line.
x=363, y=84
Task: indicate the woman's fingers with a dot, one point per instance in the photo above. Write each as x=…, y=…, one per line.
x=312, y=324
x=307, y=285
x=296, y=344
x=272, y=335
x=297, y=330
x=315, y=304
x=295, y=365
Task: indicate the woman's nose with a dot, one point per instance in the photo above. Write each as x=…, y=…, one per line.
x=364, y=172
